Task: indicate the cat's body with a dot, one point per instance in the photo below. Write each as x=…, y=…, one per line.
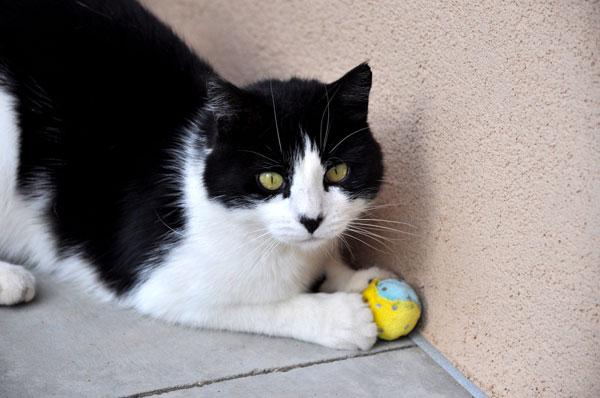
x=130, y=167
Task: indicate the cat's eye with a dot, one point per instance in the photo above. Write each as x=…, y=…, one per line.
x=270, y=180
x=337, y=173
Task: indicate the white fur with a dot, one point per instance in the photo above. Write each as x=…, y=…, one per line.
x=246, y=269
x=17, y=285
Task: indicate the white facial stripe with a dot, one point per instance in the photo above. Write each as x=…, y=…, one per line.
x=308, y=197
x=307, y=191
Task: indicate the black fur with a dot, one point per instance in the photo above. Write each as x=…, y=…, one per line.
x=106, y=93
x=246, y=134
x=104, y=90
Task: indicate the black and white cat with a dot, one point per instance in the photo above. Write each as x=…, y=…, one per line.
x=129, y=166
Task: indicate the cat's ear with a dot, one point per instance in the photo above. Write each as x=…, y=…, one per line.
x=231, y=108
x=224, y=100
x=351, y=92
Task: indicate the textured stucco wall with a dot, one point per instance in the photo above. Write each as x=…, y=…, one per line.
x=489, y=114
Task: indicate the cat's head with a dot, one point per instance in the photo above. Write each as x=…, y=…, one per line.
x=296, y=155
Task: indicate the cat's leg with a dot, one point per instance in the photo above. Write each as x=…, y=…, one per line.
x=17, y=284
x=338, y=320
x=339, y=277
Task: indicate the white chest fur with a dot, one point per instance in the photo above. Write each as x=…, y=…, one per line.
x=226, y=257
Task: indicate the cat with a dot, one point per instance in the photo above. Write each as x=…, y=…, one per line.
x=129, y=166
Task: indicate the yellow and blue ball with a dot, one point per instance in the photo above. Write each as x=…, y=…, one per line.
x=395, y=305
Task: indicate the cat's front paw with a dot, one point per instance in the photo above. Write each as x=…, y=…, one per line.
x=345, y=322
x=17, y=285
x=361, y=278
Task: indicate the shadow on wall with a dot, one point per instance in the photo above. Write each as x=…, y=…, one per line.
x=403, y=208
x=244, y=51
x=400, y=220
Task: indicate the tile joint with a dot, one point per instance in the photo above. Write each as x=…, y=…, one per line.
x=259, y=372
x=445, y=364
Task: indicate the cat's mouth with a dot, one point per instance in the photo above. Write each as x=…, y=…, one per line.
x=311, y=239
x=310, y=242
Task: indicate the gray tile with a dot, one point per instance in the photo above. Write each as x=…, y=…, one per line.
x=66, y=344
x=406, y=373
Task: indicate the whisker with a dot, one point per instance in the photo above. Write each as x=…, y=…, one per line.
x=385, y=205
x=388, y=221
x=379, y=232
x=264, y=250
x=375, y=235
x=254, y=239
x=326, y=250
x=322, y=116
x=388, y=181
x=275, y=114
x=347, y=245
x=275, y=163
x=378, y=238
x=346, y=137
x=267, y=253
x=327, y=129
x=389, y=251
x=165, y=224
x=324, y=143
x=335, y=158
x=257, y=230
x=365, y=243
x=265, y=244
x=93, y=10
x=328, y=125
x=384, y=228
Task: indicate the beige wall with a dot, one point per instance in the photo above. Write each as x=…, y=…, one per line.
x=489, y=114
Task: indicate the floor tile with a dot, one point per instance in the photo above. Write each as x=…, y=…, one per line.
x=406, y=373
x=67, y=344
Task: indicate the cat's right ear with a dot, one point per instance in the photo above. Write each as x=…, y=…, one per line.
x=230, y=106
x=224, y=100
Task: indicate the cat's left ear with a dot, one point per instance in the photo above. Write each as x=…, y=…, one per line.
x=351, y=92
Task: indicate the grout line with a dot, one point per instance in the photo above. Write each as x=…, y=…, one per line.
x=442, y=361
x=258, y=372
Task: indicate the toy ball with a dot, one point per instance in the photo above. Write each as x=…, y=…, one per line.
x=395, y=305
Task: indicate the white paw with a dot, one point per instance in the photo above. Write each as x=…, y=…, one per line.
x=345, y=321
x=17, y=285
x=361, y=278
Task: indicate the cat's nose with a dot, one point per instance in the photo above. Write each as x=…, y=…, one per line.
x=311, y=224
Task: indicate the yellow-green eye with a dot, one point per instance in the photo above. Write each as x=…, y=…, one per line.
x=270, y=180
x=337, y=173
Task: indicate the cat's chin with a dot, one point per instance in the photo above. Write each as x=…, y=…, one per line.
x=310, y=243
